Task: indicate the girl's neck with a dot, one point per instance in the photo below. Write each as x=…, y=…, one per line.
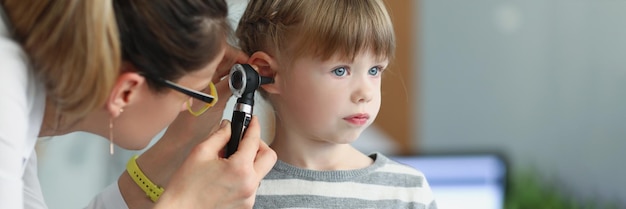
x=300, y=151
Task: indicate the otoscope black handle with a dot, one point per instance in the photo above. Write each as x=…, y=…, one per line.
x=239, y=125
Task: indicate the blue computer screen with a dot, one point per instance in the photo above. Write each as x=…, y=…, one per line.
x=476, y=181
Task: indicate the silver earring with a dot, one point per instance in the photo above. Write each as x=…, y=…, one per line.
x=111, y=146
x=111, y=136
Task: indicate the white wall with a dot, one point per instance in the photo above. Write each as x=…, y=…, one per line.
x=75, y=167
x=543, y=81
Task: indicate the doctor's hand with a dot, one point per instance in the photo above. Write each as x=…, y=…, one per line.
x=206, y=180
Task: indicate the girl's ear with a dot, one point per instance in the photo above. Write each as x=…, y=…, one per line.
x=267, y=66
x=125, y=90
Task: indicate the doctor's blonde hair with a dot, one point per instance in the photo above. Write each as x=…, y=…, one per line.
x=73, y=46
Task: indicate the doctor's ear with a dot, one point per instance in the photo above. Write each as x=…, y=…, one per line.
x=266, y=65
x=125, y=90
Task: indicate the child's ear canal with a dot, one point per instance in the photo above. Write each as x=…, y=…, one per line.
x=266, y=66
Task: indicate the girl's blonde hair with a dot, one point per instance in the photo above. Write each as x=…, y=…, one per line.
x=289, y=29
x=320, y=28
x=74, y=49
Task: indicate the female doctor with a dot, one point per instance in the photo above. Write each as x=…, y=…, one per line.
x=124, y=70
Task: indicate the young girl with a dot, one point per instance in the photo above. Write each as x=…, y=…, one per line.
x=326, y=57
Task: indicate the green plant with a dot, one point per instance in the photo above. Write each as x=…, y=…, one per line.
x=528, y=191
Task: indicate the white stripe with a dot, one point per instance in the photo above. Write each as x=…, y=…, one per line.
x=399, y=169
x=299, y=208
x=345, y=190
x=318, y=208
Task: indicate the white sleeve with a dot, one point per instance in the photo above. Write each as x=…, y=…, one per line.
x=33, y=197
x=109, y=198
x=14, y=116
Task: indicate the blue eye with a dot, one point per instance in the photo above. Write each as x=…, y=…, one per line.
x=339, y=71
x=374, y=71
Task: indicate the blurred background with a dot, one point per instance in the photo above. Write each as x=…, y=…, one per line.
x=527, y=95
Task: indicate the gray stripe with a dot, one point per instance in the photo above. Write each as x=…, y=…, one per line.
x=378, y=178
x=369, y=175
x=302, y=201
x=392, y=179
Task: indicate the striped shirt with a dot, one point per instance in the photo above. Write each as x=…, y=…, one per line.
x=384, y=184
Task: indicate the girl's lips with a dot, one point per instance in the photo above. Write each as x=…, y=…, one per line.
x=357, y=119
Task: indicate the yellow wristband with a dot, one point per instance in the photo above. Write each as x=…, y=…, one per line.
x=152, y=190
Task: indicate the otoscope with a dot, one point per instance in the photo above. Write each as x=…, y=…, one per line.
x=244, y=81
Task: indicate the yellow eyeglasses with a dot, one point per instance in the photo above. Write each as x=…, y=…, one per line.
x=210, y=99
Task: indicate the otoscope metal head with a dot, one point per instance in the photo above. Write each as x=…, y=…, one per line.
x=244, y=80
